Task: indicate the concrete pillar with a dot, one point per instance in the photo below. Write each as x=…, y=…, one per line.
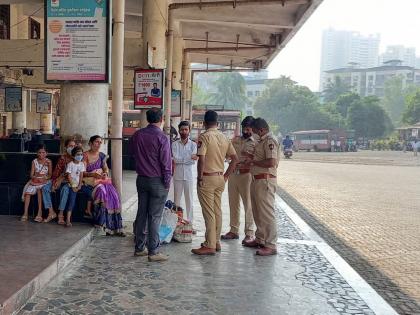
x=155, y=15
x=84, y=110
x=169, y=62
x=177, y=62
x=19, y=118
x=189, y=93
x=117, y=92
x=184, y=87
x=46, y=124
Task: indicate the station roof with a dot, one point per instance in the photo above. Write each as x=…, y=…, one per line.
x=235, y=33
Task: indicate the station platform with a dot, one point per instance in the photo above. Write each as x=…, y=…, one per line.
x=96, y=274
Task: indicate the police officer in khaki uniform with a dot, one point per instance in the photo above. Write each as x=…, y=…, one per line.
x=263, y=188
x=213, y=149
x=240, y=183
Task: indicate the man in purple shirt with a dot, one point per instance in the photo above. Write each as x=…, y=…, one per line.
x=152, y=153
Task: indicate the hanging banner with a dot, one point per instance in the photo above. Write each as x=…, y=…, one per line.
x=13, y=99
x=77, y=40
x=148, y=88
x=43, y=103
x=176, y=103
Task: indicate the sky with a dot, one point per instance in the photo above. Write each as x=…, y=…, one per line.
x=397, y=21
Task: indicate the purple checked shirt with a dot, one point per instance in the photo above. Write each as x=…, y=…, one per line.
x=151, y=150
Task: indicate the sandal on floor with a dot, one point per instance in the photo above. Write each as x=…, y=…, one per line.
x=61, y=220
x=68, y=224
x=38, y=219
x=50, y=218
x=24, y=218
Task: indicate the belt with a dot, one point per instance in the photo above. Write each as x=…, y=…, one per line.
x=213, y=174
x=264, y=176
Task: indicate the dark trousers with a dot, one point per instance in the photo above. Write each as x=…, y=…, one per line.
x=151, y=201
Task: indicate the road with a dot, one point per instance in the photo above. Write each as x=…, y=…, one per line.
x=367, y=206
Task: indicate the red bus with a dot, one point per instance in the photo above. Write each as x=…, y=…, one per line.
x=320, y=140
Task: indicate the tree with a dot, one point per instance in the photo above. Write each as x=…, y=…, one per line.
x=290, y=107
x=411, y=114
x=344, y=102
x=394, y=98
x=335, y=89
x=199, y=96
x=368, y=118
x=231, y=91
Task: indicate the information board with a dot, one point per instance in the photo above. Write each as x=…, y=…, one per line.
x=13, y=99
x=148, y=88
x=77, y=40
x=176, y=103
x=43, y=103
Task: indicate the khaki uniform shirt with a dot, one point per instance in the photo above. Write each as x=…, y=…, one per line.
x=216, y=147
x=266, y=148
x=244, y=149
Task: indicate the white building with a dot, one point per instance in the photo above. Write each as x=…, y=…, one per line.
x=398, y=52
x=339, y=48
x=371, y=81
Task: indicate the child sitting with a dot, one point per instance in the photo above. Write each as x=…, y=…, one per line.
x=74, y=175
x=41, y=170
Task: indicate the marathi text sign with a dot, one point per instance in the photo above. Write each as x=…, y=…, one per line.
x=13, y=99
x=43, y=103
x=176, y=103
x=76, y=40
x=148, y=88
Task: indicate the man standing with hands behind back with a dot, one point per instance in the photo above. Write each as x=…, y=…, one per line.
x=213, y=148
x=263, y=188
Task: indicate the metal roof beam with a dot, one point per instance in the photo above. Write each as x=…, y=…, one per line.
x=234, y=3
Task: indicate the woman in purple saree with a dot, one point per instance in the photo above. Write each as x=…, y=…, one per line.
x=106, y=202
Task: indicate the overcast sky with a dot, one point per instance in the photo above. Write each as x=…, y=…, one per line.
x=397, y=21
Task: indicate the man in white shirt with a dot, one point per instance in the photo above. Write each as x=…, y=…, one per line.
x=184, y=154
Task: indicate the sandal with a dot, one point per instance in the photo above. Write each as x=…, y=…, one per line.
x=38, y=219
x=61, y=220
x=50, y=218
x=68, y=224
x=24, y=218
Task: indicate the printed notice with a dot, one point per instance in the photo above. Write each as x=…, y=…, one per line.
x=77, y=40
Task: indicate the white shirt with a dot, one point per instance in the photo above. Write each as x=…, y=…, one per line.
x=181, y=154
x=74, y=170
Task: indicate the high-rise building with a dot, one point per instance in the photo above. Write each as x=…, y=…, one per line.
x=341, y=48
x=398, y=52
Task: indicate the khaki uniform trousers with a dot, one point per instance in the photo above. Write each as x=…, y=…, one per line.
x=262, y=198
x=210, y=197
x=239, y=187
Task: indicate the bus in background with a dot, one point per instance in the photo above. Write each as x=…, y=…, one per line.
x=131, y=122
x=229, y=121
x=320, y=140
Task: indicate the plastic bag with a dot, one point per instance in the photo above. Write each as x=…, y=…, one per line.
x=167, y=226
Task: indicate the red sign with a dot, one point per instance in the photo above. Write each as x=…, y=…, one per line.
x=148, y=88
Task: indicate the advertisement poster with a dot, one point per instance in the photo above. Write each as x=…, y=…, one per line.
x=13, y=99
x=176, y=103
x=148, y=88
x=77, y=42
x=43, y=103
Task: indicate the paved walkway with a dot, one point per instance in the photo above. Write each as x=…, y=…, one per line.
x=306, y=277
x=368, y=213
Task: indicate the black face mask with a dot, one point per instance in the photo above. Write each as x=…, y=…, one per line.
x=246, y=135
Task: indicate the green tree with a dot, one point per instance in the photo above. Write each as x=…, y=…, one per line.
x=394, y=98
x=368, y=118
x=344, y=102
x=411, y=114
x=199, y=96
x=290, y=107
x=231, y=91
x=334, y=89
